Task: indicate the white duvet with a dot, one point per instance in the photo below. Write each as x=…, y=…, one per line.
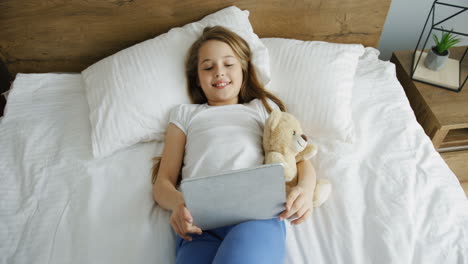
x=394, y=199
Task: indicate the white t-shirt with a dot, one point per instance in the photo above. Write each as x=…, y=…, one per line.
x=221, y=138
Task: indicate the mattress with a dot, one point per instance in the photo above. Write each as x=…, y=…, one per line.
x=394, y=199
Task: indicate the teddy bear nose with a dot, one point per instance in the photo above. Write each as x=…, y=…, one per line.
x=304, y=137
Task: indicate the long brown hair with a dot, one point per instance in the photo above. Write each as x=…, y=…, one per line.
x=251, y=87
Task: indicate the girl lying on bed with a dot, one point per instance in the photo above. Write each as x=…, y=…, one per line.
x=221, y=131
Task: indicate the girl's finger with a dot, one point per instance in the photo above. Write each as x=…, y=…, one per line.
x=295, y=205
x=192, y=229
x=282, y=215
x=176, y=227
x=302, y=218
x=184, y=226
x=182, y=232
x=292, y=197
x=188, y=225
x=301, y=212
x=179, y=230
x=289, y=213
x=189, y=228
x=299, y=203
x=195, y=230
x=187, y=237
x=187, y=215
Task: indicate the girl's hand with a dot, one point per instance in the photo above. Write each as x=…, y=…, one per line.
x=181, y=221
x=299, y=204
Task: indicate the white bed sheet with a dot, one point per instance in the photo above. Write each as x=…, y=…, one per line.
x=394, y=199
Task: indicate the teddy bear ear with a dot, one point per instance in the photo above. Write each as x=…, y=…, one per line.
x=273, y=120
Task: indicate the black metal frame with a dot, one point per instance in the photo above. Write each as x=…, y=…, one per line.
x=434, y=27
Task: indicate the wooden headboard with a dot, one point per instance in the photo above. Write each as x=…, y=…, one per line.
x=68, y=36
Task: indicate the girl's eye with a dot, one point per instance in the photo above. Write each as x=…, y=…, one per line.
x=229, y=65
x=294, y=133
x=208, y=69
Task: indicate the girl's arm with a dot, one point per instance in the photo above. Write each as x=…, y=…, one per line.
x=299, y=202
x=306, y=175
x=165, y=192
x=164, y=189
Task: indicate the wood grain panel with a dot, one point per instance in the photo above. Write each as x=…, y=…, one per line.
x=465, y=188
x=68, y=36
x=458, y=163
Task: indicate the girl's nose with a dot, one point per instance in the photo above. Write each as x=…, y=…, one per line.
x=219, y=74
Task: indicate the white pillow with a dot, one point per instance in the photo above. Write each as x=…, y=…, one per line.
x=314, y=79
x=131, y=92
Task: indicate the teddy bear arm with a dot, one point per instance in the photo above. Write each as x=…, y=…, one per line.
x=307, y=153
x=322, y=192
x=274, y=157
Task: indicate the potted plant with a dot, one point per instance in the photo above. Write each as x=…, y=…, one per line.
x=438, y=54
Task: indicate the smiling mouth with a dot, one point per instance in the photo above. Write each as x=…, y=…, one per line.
x=221, y=85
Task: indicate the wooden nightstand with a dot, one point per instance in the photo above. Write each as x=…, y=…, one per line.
x=443, y=114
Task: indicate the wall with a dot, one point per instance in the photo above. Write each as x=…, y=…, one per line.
x=405, y=21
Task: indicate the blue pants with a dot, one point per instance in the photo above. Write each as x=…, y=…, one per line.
x=258, y=242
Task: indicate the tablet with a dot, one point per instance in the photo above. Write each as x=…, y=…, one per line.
x=236, y=196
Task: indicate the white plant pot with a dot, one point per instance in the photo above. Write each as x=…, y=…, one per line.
x=435, y=62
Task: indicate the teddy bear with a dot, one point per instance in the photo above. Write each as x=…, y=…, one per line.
x=284, y=142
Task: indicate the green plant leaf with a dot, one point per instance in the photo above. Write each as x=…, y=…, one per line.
x=436, y=39
x=446, y=41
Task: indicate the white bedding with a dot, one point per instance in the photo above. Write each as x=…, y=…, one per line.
x=394, y=199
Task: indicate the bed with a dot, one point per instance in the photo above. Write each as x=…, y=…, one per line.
x=394, y=199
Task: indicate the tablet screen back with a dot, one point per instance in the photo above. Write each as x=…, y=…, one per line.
x=236, y=196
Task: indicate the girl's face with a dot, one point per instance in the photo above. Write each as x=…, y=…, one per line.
x=219, y=73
